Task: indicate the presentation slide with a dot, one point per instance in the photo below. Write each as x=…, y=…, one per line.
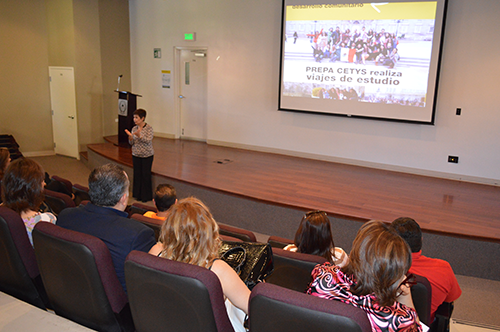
x=375, y=60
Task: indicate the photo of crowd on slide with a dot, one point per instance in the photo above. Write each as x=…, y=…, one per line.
x=401, y=47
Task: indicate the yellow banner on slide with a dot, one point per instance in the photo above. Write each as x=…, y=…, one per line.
x=363, y=11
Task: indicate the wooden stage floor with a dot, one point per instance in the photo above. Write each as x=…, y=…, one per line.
x=352, y=192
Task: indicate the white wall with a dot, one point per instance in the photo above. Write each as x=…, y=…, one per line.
x=243, y=40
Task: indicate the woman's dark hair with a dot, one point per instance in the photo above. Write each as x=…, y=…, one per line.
x=22, y=185
x=140, y=113
x=314, y=235
x=379, y=258
x=4, y=160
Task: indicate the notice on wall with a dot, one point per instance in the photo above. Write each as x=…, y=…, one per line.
x=165, y=79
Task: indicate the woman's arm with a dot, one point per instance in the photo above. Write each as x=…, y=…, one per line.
x=156, y=249
x=232, y=286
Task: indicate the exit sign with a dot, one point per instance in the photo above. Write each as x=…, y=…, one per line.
x=190, y=36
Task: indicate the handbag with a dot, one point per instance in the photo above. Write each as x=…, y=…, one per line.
x=252, y=261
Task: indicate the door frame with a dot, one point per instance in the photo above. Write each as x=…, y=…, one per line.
x=178, y=82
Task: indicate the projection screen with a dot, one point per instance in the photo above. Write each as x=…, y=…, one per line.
x=373, y=60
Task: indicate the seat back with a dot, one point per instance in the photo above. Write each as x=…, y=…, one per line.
x=57, y=201
x=19, y=275
x=166, y=295
x=421, y=294
x=80, y=279
x=278, y=242
x=276, y=309
x=153, y=223
x=292, y=270
x=67, y=183
x=240, y=233
x=140, y=208
x=81, y=193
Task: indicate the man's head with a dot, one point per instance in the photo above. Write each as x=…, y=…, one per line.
x=165, y=197
x=410, y=231
x=108, y=186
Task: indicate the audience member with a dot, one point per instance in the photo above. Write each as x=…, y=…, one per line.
x=375, y=279
x=104, y=217
x=165, y=196
x=4, y=162
x=22, y=191
x=314, y=237
x=443, y=282
x=191, y=235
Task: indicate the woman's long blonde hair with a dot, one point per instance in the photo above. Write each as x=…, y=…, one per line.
x=190, y=234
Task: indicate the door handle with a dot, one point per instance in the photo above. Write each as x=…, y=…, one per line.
x=71, y=117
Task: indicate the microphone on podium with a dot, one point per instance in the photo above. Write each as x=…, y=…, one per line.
x=118, y=87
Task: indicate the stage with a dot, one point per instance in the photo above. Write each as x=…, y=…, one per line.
x=352, y=192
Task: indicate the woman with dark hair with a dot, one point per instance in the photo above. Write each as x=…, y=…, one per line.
x=4, y=162
x=314, y=237
x=191, y=235
x=22, y=191
x=141, y=139
x=375, y=279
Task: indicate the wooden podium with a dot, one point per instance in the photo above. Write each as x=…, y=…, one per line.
x=127, y=104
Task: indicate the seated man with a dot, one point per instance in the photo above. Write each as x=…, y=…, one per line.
x=104, y=217
x=165, y=197
x=443, y=282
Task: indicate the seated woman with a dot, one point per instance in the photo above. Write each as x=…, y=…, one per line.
x=22, y=191
x=314, y=237
x=191, y=235
x=374, y=280
x=4, y=162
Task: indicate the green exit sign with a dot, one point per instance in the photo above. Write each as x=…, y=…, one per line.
x=190, y=36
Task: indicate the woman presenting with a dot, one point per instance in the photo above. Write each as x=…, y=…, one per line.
x=141, y=139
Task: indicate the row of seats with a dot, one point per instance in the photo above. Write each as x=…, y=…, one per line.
x=292, y=270
x=79, y=283
x=57, y=201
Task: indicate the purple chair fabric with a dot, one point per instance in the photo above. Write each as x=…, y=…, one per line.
x=274, y=309
x=421, y=294
x=154, y=224
x=75, y=265
x=19, y=274
x=278, y=242
x=57, y=201
x=172, y=296
x=292, y=270
x=237, y=232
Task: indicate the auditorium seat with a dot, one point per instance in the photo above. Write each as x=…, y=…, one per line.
x=237, y=232
x=278, y=242
x=140, y=208
x=292, y=270
x=442, y=317
x=80, y=279
x=154, y=224
x=81, y=193
x=276, y=309
x=57, y=201
x=166, y=295
x=421, y=294
x=67, y=183
x=19, y=275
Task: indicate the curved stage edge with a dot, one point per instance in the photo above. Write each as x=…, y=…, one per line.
x=198, y=169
